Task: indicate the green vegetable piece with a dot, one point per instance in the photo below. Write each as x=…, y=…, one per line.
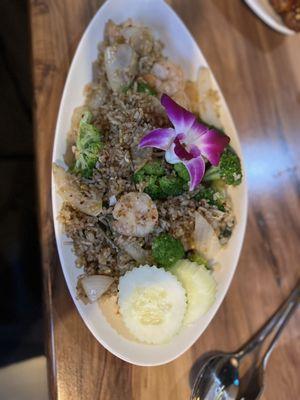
x=171, y=186
x=144, y=88
x=86, y=117
x=139, y=176
x=125, y=88
x=153, y=189
x=153, y=168
x=212, y=196
x=88, y=146
x=229, y=169
x=219, y=186
x=198, y=258
x=158, y=184
x=166, y=250
x=182, y=172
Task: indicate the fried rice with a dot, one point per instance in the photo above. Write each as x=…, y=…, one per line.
x=123, y=118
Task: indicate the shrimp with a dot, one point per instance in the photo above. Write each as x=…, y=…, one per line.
x=166, y=77
x=135, y=214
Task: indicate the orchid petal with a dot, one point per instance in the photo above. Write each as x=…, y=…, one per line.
x=210, y=141
x=171, y=156
x=180, y=117
x=159, y=138
x=196, y=130
x=190, y=142
x=196, y=168
x=183, y=153
x=180, y=151
x=213, y=144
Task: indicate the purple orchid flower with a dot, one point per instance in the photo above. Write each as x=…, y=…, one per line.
x=188, y=142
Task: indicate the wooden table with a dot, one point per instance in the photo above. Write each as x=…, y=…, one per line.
x=259, y=73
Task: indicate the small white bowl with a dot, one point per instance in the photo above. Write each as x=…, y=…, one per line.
x=183, y=49
x=264, y=10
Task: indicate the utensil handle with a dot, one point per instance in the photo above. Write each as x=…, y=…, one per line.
x=280, y=326
x=274, y=321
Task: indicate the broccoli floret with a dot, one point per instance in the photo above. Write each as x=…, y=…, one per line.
x=229, y=169
x=139, y=176
x=150, y=169
x=154, y=168
x=198, y=258
x=144, y=88
x=166, y=250
x=163, y=187
x=182, y=172
x=212, y=196
x=171, y=186
x=157, y=184
x=153, y=189
x=88, y=146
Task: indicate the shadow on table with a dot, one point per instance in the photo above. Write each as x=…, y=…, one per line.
x=248, y=24
x=21, y=314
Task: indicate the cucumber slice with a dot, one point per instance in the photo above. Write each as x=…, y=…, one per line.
x=152, y=304
x=200, y=288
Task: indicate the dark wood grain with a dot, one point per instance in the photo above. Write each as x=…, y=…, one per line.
x=258, y=71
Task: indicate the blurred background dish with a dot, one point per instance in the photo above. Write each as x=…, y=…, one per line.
x=289, y=10
x=266, y=12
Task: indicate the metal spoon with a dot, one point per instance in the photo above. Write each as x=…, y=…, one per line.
x=218, y=379
x=255, y=385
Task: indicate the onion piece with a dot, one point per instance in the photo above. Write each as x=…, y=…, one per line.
x=209, y=99
x=136, y=252
x=112, y=201
x=95, y=285
x=69, y=188
x=120, y=61
x=205, y=238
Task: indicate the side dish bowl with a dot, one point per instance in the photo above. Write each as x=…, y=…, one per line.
x=183, y=49
x=264, y=10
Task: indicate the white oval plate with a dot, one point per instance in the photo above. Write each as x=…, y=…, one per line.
x=183, y=49
x=264, y=10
